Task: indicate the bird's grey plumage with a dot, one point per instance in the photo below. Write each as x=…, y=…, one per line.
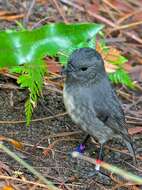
x=90, y=100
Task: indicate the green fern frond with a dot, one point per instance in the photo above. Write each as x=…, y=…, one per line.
x=32, y=78
x=121, y=77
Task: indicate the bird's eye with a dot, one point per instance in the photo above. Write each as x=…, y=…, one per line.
x=83, y=68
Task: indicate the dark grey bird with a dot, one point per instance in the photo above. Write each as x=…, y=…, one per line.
x=90, y=99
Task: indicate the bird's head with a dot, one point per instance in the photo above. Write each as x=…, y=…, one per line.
x=84, y=65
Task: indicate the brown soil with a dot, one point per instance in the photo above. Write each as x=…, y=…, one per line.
x=57, y=164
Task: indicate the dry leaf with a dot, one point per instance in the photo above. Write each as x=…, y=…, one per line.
x=7, y=187
x=48, y=149
x=3, y=70
x=112, y=55
x=135, y=130
x=2, y=138
x=16, y=144
x=108, y=57
x=110, y=68
x=52, y=65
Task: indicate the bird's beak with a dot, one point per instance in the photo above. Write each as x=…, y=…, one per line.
x=67, y=69
x=64, y=71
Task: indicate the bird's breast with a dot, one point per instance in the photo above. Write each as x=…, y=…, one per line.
x=68, y=100
x=72, y=104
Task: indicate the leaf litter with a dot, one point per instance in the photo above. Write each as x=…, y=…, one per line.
x=122, y=20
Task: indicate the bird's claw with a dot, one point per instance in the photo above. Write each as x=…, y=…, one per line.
x=80, y=148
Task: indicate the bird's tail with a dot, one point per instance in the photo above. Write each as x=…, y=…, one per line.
x=131, y=149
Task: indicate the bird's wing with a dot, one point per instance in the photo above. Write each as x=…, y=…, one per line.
x=111, y=114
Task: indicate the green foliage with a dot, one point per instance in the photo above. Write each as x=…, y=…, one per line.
x=120, y=60
x=24, y=46
x=29, y=110
x=121, y=77
x=31, y=77
x=26, y=50
x=63, y=56
x=23, y=52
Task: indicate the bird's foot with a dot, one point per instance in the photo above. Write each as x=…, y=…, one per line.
x=80, y=148
x=98, y=173
x=97, y=167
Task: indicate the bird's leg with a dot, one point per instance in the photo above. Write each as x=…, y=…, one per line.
x=81, y=147
x=85, y=139
x=100, y=157
x=101, y=152
x=97, y=168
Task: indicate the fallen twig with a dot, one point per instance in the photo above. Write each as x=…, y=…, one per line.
x=127, y=175
x=35, y=120
x=49, y=184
